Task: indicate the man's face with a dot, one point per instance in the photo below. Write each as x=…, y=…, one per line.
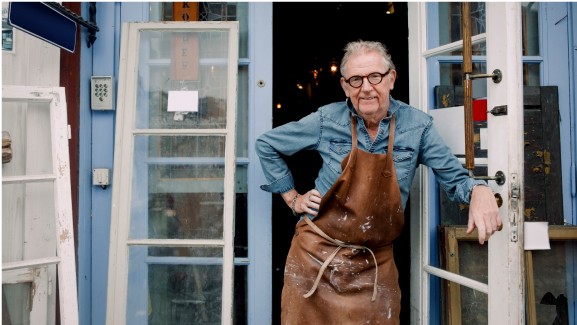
x=370, y=100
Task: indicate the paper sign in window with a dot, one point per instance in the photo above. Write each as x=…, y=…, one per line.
x=183, y=101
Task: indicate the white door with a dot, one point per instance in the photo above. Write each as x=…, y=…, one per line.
x=171, y=251
x=37, y=230
x=442, y=285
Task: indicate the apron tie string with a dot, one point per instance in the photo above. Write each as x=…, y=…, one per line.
x=340, y=244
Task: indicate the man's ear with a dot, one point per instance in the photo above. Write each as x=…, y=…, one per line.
x=393, y=78
x=344, y=86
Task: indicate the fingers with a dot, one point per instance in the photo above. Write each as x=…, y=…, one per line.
x=486, y=226
x=483, y=213
x=310, y=202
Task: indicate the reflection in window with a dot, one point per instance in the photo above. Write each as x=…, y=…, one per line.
x=449, y=28
x=185, y=294
x=450, y=21
x=530, y=28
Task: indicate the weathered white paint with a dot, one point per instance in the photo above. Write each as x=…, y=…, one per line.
x=506, y=271
x=43, y=212
x=505, y=285
x=33, y=62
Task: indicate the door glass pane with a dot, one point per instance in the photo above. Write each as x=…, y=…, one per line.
x=531, y=74
x=530, y=28
x=448, y=22
x=451, y=74
x=177, y=290
x=182, y=79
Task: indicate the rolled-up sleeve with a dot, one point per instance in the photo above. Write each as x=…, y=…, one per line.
x=286, y=140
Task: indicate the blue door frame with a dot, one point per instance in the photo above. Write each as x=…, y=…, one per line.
x=559, y=42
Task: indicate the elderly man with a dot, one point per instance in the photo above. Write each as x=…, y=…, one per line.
x=340, y=267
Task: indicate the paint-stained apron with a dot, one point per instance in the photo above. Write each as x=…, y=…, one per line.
x=340, y=267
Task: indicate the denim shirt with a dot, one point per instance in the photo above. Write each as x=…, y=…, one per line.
x=328, y=131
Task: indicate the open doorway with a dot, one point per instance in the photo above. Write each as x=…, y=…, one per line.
x=307, y=39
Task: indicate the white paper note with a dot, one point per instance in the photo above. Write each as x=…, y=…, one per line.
x=536, y=235
x=182, y=101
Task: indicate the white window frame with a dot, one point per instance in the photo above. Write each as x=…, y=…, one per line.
x=38, y=270
x=123, y=165
x=506, y=281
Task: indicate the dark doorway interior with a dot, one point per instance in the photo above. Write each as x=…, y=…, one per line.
x=307, y=39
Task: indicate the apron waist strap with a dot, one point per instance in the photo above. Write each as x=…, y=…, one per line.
x=340, y=244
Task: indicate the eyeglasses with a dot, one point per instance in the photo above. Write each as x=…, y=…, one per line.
x=374, y=78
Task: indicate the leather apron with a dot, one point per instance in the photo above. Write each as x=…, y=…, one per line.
x=340, y=267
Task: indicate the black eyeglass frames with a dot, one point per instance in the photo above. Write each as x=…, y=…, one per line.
x=374, y=78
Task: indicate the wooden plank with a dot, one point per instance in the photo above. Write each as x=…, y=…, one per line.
x=557, y=232
x=552, y=154
x=454, y=290
x=531, y=96
x=535, y=204
x=530, y=294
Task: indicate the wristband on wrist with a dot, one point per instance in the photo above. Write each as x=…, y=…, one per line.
x=293, y=205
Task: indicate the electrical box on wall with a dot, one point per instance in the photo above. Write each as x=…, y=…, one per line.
x=102, y=92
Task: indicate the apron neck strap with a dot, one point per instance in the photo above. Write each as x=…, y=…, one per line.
x=391, y=134
x=354, y=130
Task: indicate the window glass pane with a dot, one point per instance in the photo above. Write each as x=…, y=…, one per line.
x=463, y=255
x=185, y=216
x=176, y=290
x=182, y=79
x=182, y=197
x=240, y=295
x=531, y=74
x=552, y=282
x=27, y=127
x=214, y=11
x=240, y=224
x=451, y=74
x=449, y=21
x=28, y=221
x=242, y=113
x=16, y=299
x=530, y=28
